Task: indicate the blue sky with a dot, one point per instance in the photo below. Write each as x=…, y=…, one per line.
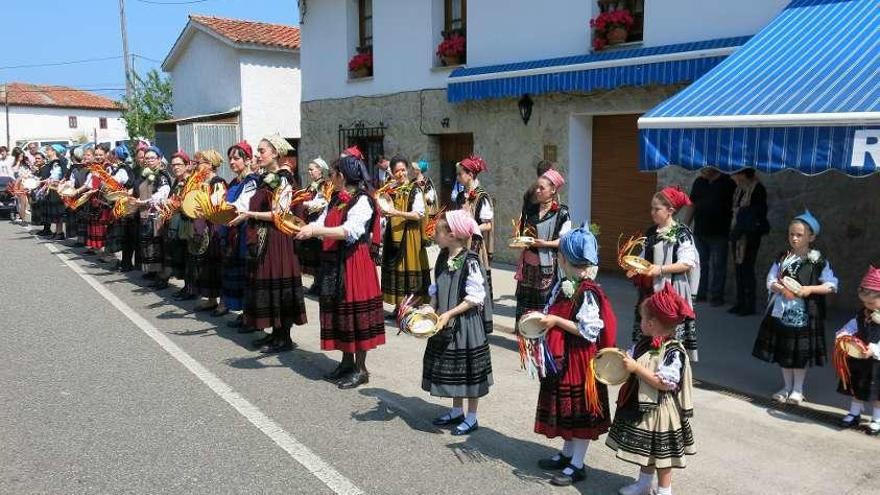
x=54, y=31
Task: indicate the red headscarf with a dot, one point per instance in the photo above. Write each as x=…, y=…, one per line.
x=245, y=148
x=677, y=198
x=473, y=164
x=871, y=280
x=555, y=178
x=462, y=224
x=668, y=307
x=182, y=155
x=355, y=152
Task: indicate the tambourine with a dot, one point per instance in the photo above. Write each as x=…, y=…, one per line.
x=530, y=326
x=521, y=242
x=30, y=183
x=83, y=199
x=385, y=202
x=222, y=216
x=635, y=263
x=608, y=366
x=67, y=191
x=420, y=322
x=793, y=285
x=853, y=347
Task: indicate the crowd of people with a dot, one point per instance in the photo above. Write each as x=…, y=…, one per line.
x=132, y=211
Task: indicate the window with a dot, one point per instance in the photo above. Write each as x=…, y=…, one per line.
x=636, y=8
x=452, y=49
x=102, y=122
x=369, y=139
x=455, y=12
x=71, y=122
x=365, y=25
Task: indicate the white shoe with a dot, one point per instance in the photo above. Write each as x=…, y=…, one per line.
x=795, y=398
x=781, y=396
x=635, y=489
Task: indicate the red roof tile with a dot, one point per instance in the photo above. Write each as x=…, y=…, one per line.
x=41, y=95
x=258, y=33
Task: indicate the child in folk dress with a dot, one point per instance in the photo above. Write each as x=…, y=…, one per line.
x=864, y=374
x=572, y=404
x=457, y=363
x=651, y=426
x=792, y=333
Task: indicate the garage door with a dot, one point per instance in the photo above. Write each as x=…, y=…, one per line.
x=621, y=195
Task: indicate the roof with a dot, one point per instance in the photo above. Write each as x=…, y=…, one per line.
x=237, y=33
x=42, y=95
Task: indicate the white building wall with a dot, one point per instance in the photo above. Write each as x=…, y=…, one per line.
x=206, y=77
x=270, y=90
x=680, y=21
x=48, y=123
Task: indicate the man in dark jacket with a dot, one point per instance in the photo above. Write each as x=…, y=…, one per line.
x=712, y=195
x=749, y=225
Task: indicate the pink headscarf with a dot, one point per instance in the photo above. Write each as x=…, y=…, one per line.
x=871, y=280
x=554, y=177
x=462, y=224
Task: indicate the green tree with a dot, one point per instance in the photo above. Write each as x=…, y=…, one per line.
x=150, y=102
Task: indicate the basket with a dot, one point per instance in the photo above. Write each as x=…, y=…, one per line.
x=420, y=322
x=521, y=242
x=636, y=263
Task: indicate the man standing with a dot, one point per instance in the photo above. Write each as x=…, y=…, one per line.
x=382, y=174
x=31, y=153
x=712, y=195
x=6, y=163
x=748, y=226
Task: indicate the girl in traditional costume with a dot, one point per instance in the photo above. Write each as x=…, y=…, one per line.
x=405, y=270
x=863, y=380
x=792, y=333
x=51, y=174
x=651, y=425
x=205, y=251
x=476, y=201
x=457, y=362
x=309, y=251
x=241, y=190
x=670, y=248
x=425, y=183
x=537, y=270
x=100, y=214
x=350, y=300
x=580, y=321
x=274, y=296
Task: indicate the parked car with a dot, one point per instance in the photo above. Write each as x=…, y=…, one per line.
x=7, y=201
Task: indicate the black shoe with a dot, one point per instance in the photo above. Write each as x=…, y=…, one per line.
x=210, y=307
x=159, y=285
x=59, y=237
x=469, y=428
x=276, y=347
x=554, y=465
x=126, y=269
x=260, y=342
x=150, y=276
x=342, y=370
x=391, y=317
x=447, y=420
x=850, y=421
x=89, y=251
x=566, y=480
x=314, y=290
x=735, y=309
x=354, y=380
x=45, y=233
x=218, y=312
x=236, y=323
x=243, y=329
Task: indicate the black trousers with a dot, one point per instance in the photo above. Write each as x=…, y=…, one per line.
x=130, y=239
x=746, y=282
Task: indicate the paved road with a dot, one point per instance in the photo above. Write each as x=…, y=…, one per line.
x=108, y=387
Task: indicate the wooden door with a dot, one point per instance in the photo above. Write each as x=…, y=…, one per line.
x=453, y=148
x=621, y=195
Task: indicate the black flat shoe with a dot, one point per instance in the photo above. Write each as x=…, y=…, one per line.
x=243, y=329
x=447, y=420
x=277, y=347
x=89, y=251
x=263, y=341
x=554, y=465
x=342, y=370
x=159, y=285
x=219, y=312
x=354, y=380
x=236, y=323
x=850, y=421
x=150, y=276
x=209, y=307
x=458, y=431
x=186, y=297
x=567, y=480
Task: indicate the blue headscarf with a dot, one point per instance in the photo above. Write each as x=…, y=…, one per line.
x=121, y=152
x=355, y=172
x=156, y=150
x=579, y=247
x=810, y=220
x=59, y=149
x=423, y=165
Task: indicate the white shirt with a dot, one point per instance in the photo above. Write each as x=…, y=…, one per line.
x=589, y=320
x=243, y=202
x=781, y=304
x=121, y=176
x=474, y=285
x=6, y=167
x=355, y=225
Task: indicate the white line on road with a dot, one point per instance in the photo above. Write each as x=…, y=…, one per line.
x=300, y=453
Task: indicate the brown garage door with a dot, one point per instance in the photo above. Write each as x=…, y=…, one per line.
x=621, y=195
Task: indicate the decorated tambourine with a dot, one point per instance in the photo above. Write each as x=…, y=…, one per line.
x=792, y=285
x=419, y=321
x=521, y=242
x=630, y=262
x=530, y=326
x=608, y=366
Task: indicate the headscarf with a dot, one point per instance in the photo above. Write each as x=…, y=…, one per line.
x=279, y=143
x=182, y=155
x=142, y=145
x=245, y=148
x=321, y=164
x=871, y=280
x=156, y=150
x=58, y=149
x=669, y=307
x=355, y=171
x=78, y=152
x=210, y=156
x=676, y=197
x=473, y=164
x=121, y=152
x=462, y=224
x=354, y=151
x=554, y=177
x=810, y=220
x=421, y=165
x=579, y=247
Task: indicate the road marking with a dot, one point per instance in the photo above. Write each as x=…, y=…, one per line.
x=300, y=453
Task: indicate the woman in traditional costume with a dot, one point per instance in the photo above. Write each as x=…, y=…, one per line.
x=76, y=177
x=176, y=229
x=651, y=425
x=122, y=233
x=100, y=214
x=51, y=175
x=792, y=334
x=153, y=191
x=241, y=190
x=204, y=265
x=572, y=404
x=350, y=299
x=671, y=251
x=457, y=362
x=309, y=251
x=537, y=270
x=405, y=270
x=425, y=183
x=274, y=293
x=476, y=201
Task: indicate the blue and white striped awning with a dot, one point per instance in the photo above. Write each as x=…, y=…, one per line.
x=803, y=94
x=658, y=65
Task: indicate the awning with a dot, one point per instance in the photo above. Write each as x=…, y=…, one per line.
x=658, y=65
x=803, y=94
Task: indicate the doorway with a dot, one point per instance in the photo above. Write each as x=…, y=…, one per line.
x=453, y=148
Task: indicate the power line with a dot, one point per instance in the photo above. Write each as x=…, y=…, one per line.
x=146, y=58
x=53, y=64
x=185, y=2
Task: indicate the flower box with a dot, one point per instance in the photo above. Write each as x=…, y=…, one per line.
x=451, y=50
x=611, y=28
x=361, y=65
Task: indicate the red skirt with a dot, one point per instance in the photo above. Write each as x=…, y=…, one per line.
x=96, y=228
x=352, y=317
x=274, y=294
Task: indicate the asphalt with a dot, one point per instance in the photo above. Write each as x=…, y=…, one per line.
x=91, y=404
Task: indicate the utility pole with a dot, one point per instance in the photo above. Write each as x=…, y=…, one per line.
x=6, y=106
x=125, y=56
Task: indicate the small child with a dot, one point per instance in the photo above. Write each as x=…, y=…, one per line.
x=792, y=333
x=572, y=404
x=457, y=363
x=651, y=426
x=864, y=382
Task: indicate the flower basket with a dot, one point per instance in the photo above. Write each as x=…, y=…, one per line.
x=450, y=60
x=611, y=28
x=360, y=72
x=361, y=65
x=617, y=35
x=451, y=50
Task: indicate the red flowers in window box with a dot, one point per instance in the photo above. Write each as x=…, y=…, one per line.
x=452, y=49
x=361, y=65
x=611, y=28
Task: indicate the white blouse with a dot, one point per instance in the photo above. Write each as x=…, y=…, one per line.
x=243, y=202
x=121, y=176
x=781, y=304
x=474, y=288
x=851, y=328
x=589, y=319
x=355, y=224
x=668, y=374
